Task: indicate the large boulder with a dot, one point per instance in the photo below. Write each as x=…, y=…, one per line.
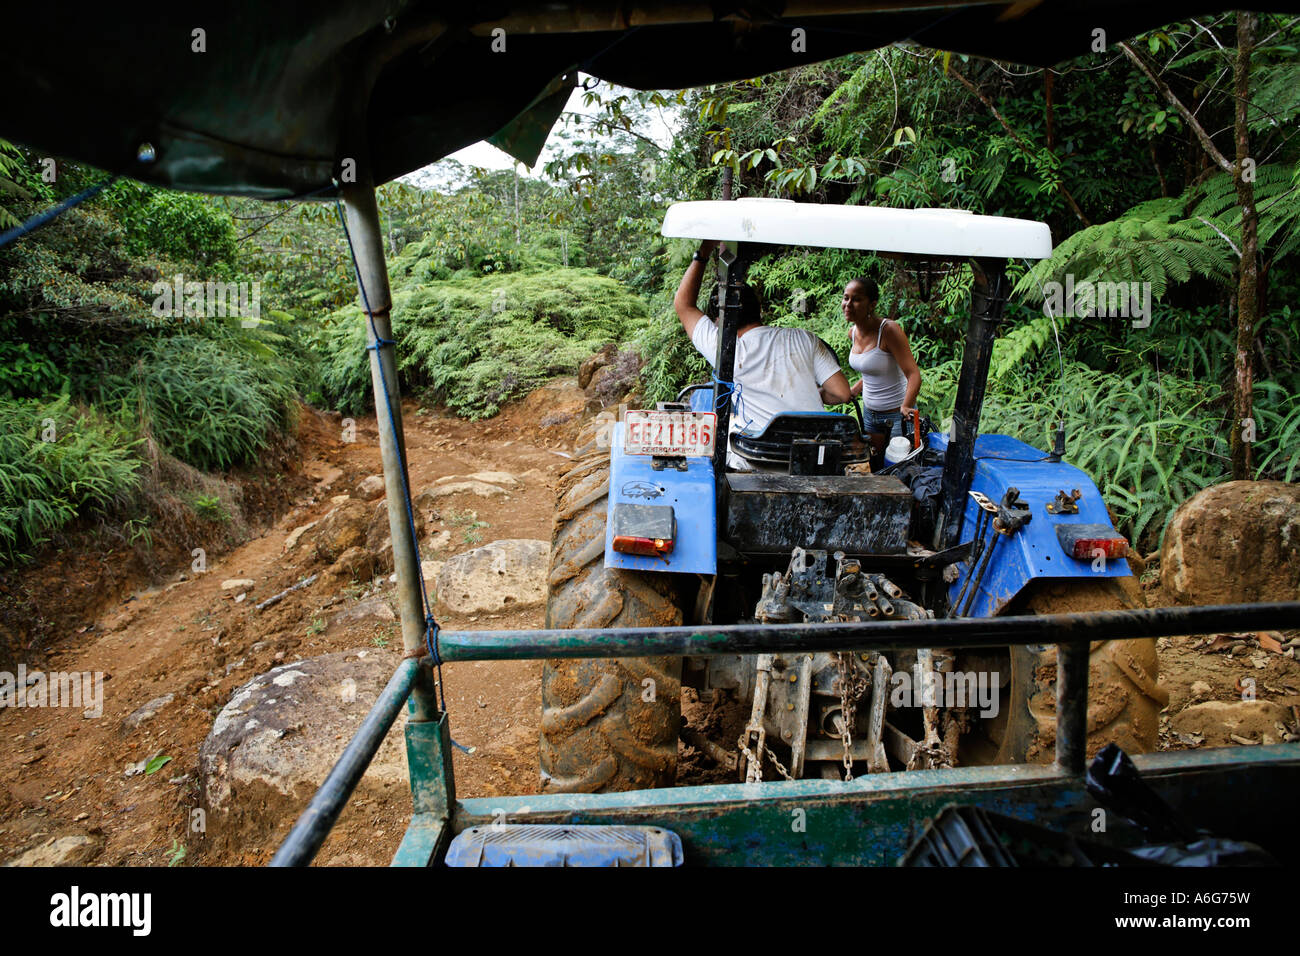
x=368, y=613
x=1236, y=542
x=556, y=407
x=344, y=527
x=379, y=542
x=371, y=487
x=611, y=383
x=510, y=573
x=502, y=478
x=354, y=564
x=276, y=740
x=70, y=849
x=1216, y=723
x=446, y=489
x=598, y=361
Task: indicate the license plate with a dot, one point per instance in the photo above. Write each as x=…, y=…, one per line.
x=685, y=434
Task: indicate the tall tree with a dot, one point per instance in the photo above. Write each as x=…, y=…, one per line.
x=1248, y=277
x=1243, y=172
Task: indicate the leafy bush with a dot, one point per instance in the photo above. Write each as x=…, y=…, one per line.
x=174, y=225
x=210, y=508
x=211, y=403
x=56, y=462
x=1149, y=441
x=475, y=343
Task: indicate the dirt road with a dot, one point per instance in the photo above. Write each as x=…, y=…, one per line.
x=62, y=773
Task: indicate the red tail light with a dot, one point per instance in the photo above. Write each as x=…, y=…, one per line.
x=1083, y=541
x=1087, y=548
x=646, y=547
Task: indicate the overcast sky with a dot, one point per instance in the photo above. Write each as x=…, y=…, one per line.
x=486, y=156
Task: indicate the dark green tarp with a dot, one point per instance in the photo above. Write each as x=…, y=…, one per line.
x=285, y=92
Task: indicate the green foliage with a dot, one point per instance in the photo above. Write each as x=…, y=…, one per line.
x=177, y=853
x=171, y=225
x=17, y=182
x=56, y=462
x=156, y=764
x=25, y=371
x=210, y=508
x=1148, y=440
x=1168, y=241
x=477, y=343
x=213, y=403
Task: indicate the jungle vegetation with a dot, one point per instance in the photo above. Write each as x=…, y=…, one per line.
x=1170, y=159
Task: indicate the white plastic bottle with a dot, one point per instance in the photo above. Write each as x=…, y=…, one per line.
x=898, y=449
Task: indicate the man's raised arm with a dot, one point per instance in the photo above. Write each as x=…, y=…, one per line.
x=688, y=292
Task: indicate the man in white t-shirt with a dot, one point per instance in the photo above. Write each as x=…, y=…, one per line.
x=777, y=369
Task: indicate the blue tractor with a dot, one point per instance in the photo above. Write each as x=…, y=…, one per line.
x=672, y=516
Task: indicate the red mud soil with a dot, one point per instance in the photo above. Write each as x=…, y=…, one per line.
x=62, y=774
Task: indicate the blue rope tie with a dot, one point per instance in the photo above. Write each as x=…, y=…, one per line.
x=725, y=396
x=40, y=219
x=729, y=389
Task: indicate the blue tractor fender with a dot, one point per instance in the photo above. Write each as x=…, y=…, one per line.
x=1036, y=550
x=691, y=494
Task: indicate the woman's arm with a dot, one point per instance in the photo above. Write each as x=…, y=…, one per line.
x=856, y=391
x=901, y=349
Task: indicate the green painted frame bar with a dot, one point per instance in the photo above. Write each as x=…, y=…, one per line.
x=873, y=820
x=433, y=792
x=863, y=636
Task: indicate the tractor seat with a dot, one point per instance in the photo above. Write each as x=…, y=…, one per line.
x=773, y=444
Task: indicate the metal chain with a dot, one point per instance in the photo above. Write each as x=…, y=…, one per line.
x=751, y=761
x=850, y=691
x=757, y=760
x=780, y=769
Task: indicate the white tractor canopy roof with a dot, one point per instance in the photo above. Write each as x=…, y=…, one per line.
x=937, y=233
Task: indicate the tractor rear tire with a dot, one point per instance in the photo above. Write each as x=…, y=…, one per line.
x=1124, y=698
x=608, y=724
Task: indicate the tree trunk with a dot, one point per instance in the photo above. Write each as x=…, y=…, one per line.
x=516, y=169
x=1243, y=433
x=1048, y=117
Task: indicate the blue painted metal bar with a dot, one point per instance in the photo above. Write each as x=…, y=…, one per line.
x=315, y=823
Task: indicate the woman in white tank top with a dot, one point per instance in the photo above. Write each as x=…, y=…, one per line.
x=882, y=355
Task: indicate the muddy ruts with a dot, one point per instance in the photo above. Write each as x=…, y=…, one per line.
x=1124, y=697
x=607, y=724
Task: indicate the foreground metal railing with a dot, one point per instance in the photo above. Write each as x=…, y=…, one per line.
x=1071, y=632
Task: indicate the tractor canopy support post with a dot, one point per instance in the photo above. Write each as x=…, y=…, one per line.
x=362, y=214
x=988, y=301
x=731, y=273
